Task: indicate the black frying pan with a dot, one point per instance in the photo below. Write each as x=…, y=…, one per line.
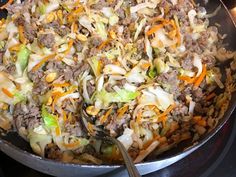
x=15, y=147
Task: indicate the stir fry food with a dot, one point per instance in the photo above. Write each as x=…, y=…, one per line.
x=146, y=72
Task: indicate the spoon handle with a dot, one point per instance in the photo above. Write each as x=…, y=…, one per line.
x=132, y=170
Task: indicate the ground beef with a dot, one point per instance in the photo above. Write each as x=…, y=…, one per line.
x=36, y=76
x=197, y=94
x=100, y=5
x=115, y=126
x=19, y=21
x=47, y=40
x=59, y=29
x=180, y=111
x=209, y=60
x=52, y=151
x=72, y=72
x=30, y=32
x=96, y=41
x=27, y=115
x=78, y=46
x=121, y=83
x=10, y=68
x=40, y=87
x=121, y=13
x=74, y=129
x=109, y=88
x=191, y=44
x=187, y=62
x=170, y=80
x=203, y=40
x=56, y=66
x=91, y=88
x=105, y=61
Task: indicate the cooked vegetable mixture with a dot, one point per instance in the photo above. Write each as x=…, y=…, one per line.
x=145, y=71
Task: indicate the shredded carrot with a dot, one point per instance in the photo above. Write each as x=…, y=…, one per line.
x=104, y=117
x=72, y=145
x=65, y=84
x=145, y=66
x=7, y=4
x=200, y=121
x=103, y=44
x=187, y=79
x=15, y=47
x=139, y=117
x=45, y=59
x=58, y=131
x=70, y=44
x=90, y=128
x=21, y=34
x=154, y=29
x=121, y=111
x=167, y=111
x=163, y=119
x=7, y=92
x=74, y=14
x=74, y=27
x=2, y=21
x=64, y=116
x=210, y=96
x=59, y=95
x=201, y=77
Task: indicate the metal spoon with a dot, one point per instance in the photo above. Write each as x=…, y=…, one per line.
x=101, y=134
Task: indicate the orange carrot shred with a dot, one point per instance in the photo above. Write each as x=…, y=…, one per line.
x=103, y=44
x=104, y=117
x=64, y=116
x=188, y=79
x=201, y=77
x=70, y=44
x=154, y=29
x=210, y=96
x=15, y=47
x=7, y=92
x=21, y=34
x=72, y=145
x=121, y=111
x=58, y=131
x=65, y=84
x=167, y=111
x=139, y=117
x=45, y=59
x=90, y=128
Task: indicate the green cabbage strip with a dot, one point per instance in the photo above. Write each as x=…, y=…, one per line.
x=22, y=57
x=49, y=119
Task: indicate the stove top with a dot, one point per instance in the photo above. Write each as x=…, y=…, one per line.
x=214, y=159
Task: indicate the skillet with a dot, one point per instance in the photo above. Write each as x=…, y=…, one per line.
x=18, y=149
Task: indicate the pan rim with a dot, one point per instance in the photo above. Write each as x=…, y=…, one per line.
x=187, y=150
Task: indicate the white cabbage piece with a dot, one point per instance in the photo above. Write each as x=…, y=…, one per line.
x=156, y=96
x=114, y=69
x=34, y=59
x=197, y=62
x=39, y=141
x=126, y=139
x=53, y=5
